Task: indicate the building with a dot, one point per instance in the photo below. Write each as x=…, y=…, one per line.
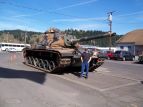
x=132, y=41
x=103, y=49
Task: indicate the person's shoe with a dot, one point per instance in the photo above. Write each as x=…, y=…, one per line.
x=80, y=76
x=86, y=77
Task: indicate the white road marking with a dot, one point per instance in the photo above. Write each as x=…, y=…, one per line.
x=118, y=76
x=96, y=88
x=80, y=83
x=13, y=100
x=104, y=71
x=120, y=86
x=101, y=69
x=134, y=105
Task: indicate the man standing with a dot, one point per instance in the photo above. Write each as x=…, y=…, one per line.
x=85, y=59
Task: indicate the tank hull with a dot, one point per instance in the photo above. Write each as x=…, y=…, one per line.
x=54, y=60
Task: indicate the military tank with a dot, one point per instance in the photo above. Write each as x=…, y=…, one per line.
x=58, y=50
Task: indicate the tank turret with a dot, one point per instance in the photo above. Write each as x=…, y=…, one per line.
x=54, y=38
x=58, y=50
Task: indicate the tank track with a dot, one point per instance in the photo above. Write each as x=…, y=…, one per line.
x=41, y=61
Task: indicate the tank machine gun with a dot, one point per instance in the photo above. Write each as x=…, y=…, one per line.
x=58, y=50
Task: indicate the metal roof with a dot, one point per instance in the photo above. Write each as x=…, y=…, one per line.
x=135, y=37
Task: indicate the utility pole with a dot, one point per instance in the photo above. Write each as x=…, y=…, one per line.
x=25, y=36
x=110, y=31
x=7, y=37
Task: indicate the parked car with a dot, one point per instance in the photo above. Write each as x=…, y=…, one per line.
x=102, y=55
x=140, y=59
x=123, y=55
x=110, y=54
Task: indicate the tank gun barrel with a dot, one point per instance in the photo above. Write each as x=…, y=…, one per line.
x=91, y=38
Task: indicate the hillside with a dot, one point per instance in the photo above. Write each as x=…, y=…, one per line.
x=34, y=37
x=19, y=36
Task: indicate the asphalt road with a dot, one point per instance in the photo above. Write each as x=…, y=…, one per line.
x=115, y=84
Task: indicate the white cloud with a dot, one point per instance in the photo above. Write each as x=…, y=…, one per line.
x=12, y=26
x=25, y=15
x=15, y=23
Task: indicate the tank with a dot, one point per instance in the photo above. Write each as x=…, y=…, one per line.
x=58, y=50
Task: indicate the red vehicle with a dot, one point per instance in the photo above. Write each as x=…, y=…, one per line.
x=110, y=55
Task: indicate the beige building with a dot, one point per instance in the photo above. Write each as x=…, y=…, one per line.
x=132, y=41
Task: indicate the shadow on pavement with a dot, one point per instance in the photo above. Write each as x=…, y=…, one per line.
x=137, y=62
x=70, y=70
x=38, y=77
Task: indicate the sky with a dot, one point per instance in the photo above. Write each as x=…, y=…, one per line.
x=40, y=15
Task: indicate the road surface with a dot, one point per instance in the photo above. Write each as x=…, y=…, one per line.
x=115, y=84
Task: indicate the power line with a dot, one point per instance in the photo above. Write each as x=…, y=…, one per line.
x=36, y=9
x=77, y=4
x=129, y=14
x=54, y=12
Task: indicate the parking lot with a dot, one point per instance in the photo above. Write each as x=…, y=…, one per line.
x=114, y=84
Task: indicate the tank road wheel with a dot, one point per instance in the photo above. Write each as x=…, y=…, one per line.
x=35, y=61
x=52, y=64
x=32, y=60
x=47, y=65
x=41, y=63
x=29, y=60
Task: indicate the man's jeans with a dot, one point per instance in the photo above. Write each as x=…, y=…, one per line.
x=84, y=67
